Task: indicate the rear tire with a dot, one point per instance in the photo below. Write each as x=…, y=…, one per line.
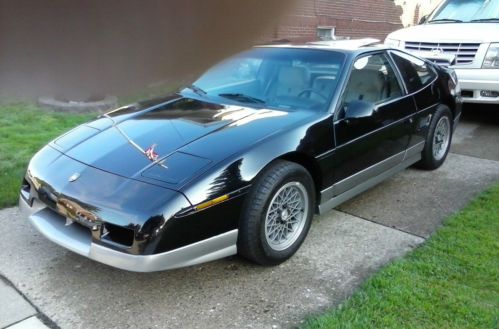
x=438, y=140
x=277, y=214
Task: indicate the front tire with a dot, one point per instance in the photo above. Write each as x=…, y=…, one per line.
x=438, y=140
x=277, y=214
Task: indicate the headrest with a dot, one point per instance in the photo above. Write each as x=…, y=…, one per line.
x=293, y=75
x=366, y=77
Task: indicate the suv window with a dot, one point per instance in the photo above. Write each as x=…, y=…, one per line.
x=415, y=72
x=372, y=80
x=467, y=10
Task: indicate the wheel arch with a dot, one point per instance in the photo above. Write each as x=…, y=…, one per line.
x=447, y=98
x=249, y=165
x=310, y=164
x=450, y=105
x=453, y=111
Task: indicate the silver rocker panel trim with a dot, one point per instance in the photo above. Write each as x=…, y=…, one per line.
x=330, y=200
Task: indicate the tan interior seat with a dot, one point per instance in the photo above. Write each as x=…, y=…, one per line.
x=365, y=85
x=290, y=82
x=324, y=86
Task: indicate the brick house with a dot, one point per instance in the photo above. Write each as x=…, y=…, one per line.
x=413, y=10
x=323, y=19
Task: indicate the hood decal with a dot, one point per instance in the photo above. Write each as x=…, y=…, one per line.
x=151, y=155
x=149, y=152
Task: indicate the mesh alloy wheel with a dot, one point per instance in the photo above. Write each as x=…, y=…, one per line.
x=286, y=216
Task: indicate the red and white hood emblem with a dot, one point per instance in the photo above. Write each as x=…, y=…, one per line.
x=151, y=154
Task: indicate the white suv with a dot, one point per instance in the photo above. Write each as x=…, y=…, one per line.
x=462, y=34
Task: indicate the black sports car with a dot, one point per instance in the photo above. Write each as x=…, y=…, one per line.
x=239, y=161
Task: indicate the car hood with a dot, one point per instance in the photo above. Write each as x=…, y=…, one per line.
x=170, y=142
x=449, y=32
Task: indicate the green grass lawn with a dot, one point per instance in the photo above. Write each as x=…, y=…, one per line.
x=24, y=129
x=452, y=281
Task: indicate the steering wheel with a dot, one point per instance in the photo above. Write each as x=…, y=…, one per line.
x=312, y=91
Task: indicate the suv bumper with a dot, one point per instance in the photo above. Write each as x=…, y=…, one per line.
x=475, y=81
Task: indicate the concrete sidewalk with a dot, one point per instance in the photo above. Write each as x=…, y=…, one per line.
x=344, y=247
x=16, y=312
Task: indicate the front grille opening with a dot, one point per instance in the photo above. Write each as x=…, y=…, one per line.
x=467, y=93
x=464, y=52
x=117, y=234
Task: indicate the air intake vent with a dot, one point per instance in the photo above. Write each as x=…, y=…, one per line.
x=117, y=234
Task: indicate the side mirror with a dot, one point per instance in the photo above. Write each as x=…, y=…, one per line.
x=423, y=19
x=359, y=110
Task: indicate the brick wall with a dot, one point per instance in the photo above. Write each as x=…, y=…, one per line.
x=352, y=18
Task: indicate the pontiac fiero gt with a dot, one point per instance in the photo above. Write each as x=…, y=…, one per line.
x=240, y=161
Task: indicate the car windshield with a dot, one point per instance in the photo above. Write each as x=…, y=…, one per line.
x=467, y=11
x=282, y=78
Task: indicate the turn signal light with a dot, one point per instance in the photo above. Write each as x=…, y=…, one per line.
x=212, y=202
x=489, y=93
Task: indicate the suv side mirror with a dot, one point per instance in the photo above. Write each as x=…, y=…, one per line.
x=423, y=19
x=359, y=110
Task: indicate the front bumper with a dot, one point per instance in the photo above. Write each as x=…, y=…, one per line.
x=79, y=240
x=474, y=81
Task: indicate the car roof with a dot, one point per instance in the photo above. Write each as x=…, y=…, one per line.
x=349, y=46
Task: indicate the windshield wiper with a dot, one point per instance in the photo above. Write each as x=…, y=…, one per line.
x=196, y=89
x=242, y=97
x=445, y=20
x=491, y=19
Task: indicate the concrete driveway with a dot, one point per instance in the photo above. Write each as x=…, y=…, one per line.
x=343, y=248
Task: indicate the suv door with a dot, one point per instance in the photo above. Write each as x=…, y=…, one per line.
x=373, y=125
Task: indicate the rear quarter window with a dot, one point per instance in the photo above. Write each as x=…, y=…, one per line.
x=415, y=72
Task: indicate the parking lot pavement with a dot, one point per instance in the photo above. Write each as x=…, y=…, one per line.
x=344, y=247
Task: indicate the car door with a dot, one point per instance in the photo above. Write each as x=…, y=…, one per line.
x=373, y=124
x=421, y=81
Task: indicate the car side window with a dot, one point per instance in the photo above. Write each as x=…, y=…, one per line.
x=372, y=80
x=415, y=72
